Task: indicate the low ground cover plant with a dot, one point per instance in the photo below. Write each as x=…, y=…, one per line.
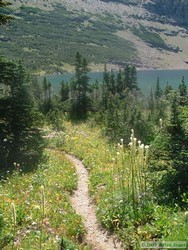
x=35, y=210
x=121, y=184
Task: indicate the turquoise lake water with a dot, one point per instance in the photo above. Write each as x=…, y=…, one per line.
x=147, y=79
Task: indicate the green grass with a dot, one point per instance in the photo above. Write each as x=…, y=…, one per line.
x=117, y=183
x=44, y=216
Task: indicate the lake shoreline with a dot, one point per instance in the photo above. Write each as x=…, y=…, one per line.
x=100, y=68
x=99, y=71
x=146, y=78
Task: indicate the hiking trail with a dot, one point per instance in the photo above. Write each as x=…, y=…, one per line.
x=99, y=238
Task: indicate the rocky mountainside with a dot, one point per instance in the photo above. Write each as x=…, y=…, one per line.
x=148, y=33
x=175, y=9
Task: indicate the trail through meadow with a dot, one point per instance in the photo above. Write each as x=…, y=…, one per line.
x=99, y=238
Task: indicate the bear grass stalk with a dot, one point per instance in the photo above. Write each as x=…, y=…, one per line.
x=42, y=214
x=132, y=172
x=13, y=210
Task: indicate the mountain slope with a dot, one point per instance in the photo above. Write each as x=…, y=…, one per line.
x=176, y=9
x=46, y=35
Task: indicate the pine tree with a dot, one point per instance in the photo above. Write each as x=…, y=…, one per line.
x=80, y=89
x=175, y=145
x=105, y=89
x=64, y=93
x=133, y=77
x=106, y=76
x=151, y=103
x=37, y=91
x=178, y=149
x=112, y=87
x=168, y=90
x=85, y=88
x=119, y=82
x=158, y=91
x=183, y=93
x=113, y=118
x=96, y=96
x=20, y=137
x=46, y=106
x=130, y=78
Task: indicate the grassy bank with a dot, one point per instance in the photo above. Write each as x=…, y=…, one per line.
x=122, y=187
x=35, y=208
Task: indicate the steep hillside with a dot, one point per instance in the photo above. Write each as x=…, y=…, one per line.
x=47, y=34
x=176, y=9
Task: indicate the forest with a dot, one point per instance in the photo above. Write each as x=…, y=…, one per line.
x=134, y=147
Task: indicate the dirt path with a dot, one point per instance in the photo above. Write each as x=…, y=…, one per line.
x=82, y=203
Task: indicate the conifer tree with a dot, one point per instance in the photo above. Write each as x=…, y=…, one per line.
x=127, y=79
x=37, y=91
x=80, y=88
x=119, y=82
x=178, y=150
x=151, y=103
x=96, y=96
x=172, y=150
x=20, y=137
x=46, y=106
x=105, y=88
x=106, y=76
x=112, y=87
x=158, y=91
x=161, y=103
x=168, y=90
x=64, y=93
x=130, y=78
x=133, y=77
x=183, y=93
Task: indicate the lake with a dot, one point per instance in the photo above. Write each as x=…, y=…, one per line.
x=147, y=79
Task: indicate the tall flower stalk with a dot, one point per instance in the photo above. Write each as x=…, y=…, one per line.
x=13, y=210
x=132, y=171
x=42, y=214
